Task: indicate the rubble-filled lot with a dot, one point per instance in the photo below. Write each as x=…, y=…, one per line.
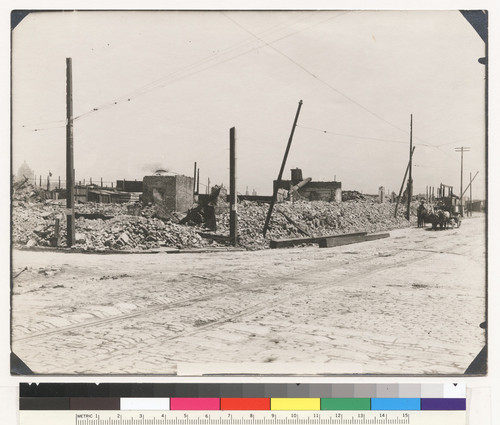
x=133, y=227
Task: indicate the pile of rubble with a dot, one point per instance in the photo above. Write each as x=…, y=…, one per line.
x=351, y=195
x=316, y=218
x=131, y=226
x=24, y=191
x=35, y=225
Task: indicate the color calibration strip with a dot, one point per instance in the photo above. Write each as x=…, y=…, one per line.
x=211, y=397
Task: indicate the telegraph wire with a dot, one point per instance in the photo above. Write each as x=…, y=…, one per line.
x=248, y=41
x=318, y=78
x=353, y=136
x=267, y=32
x=438, y=147
x=178, y=73
x=162, y=82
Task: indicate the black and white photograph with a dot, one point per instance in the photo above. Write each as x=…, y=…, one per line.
x=249, y=192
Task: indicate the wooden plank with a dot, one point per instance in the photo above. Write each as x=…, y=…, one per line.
x=287, y=243
x=330, y=242
x=374, y=237
x=214, y=236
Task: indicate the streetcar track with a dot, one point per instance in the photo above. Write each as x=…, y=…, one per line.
x=251, y=286
x=260, y=306
x=281, y=298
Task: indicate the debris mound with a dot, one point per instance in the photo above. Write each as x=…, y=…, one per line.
x=312, y=218
x=131, y=226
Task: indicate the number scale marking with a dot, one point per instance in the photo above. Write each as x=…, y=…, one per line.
x=69, y=417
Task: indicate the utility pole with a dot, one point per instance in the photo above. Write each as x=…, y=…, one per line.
x=233, y=214
x=470, y=194
x=473, y=178
x=410, y=180
x=70, y=184
x=198, y=182
x=461, y=150
x=194, y=183
x=402, y=185
x=280, y=175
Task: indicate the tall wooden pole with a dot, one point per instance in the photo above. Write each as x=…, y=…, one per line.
x=473, y=178
x=70, y=183
x=194, y=183
x=198, y=182
x=410, y=180
x=280, y=175
x=233, y=214
x=402, y=185
x=461, y=173
x=470, y=193
x=461, y=150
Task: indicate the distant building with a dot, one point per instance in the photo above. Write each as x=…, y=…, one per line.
x=24, y=172
x=478, y=206
x=129, y=185
x=300, y=188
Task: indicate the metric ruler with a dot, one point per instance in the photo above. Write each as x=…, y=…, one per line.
x=60, y=417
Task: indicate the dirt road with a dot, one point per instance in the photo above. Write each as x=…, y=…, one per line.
x=410, y=304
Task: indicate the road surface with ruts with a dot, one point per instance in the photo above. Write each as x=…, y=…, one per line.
x=409, y=304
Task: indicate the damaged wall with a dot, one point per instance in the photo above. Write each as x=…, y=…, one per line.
x=322, y=191
x=174, y=192
x=330, y=191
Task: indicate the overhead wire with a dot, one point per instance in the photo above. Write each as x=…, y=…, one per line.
x=330, y=86
x=190, y=69
x=42, y=128
x=178, y=75
x=423, y=142
x=164, y=82
x=379, y=139
x=352, y=136
x=229, y=49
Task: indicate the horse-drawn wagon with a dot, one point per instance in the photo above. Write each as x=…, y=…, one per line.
x=443, y=214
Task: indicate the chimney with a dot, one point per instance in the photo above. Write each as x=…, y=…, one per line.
x=296, y=176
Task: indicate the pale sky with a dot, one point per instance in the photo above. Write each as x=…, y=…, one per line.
x=190, y=76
